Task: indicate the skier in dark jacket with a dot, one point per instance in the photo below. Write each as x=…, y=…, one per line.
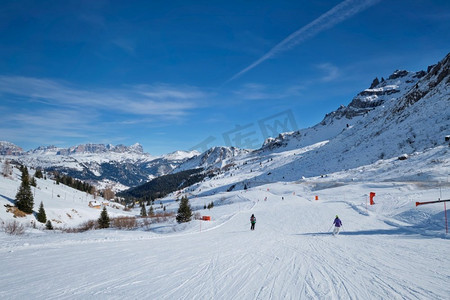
x=337, y=225
x=253, y=222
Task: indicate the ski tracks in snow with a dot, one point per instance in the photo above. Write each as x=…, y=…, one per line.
x=288, y=256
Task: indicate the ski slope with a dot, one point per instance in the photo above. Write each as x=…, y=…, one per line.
x=386, y=251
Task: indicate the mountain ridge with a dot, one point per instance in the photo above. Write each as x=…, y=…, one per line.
x=387, y=119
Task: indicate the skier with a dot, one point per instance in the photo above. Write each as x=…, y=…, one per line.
x=337, y=225
x=252, y=221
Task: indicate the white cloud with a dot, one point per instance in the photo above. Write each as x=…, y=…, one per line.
x=164, y=91
x=158, y=100
x=43, y=111
x=45, y=126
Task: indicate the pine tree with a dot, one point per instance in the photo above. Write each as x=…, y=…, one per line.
x=103, y=221
x=41, y=216
x=33, y=182
x=184, y=211
x=143, y=210
x=38, y=174
x=210, y=205
x=24, y=196
x=49, y=225
x=151, y=212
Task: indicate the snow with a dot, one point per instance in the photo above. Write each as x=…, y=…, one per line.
x=391, y=250
x=64, y=206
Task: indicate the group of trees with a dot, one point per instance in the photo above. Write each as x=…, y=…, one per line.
x=74, y=183
x=163, y=185
x=184, y=213
x=144, y=213
x=25, y=201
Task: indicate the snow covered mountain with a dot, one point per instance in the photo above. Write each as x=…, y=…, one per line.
x=7, y=148
x=119, y=166
x=388, y=90
x=406, y=113
x=214, y=158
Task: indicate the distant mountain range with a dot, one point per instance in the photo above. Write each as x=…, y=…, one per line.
x=406, y=113
x=119, y=166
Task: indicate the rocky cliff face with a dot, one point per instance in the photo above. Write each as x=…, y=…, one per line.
x=396, y=86
x=437, y=80
x=386, y=98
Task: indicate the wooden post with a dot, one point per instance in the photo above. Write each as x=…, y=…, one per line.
x=445, y=213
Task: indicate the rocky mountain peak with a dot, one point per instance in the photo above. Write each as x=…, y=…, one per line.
x=437, y=78
x=396, y=86
x=7, y=148
x=398, y=74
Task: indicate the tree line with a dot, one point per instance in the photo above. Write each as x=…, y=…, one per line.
x=73, y=183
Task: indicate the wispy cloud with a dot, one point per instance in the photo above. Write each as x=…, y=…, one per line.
x=330, y=70
x=127, y=45
x=47, y=126
x=165, y=91
x=93, y=19
x=43, y=111
x=256, y=91
x=151, y=100
x=334, y=16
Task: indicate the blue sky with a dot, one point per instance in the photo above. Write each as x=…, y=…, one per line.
x=180, y=75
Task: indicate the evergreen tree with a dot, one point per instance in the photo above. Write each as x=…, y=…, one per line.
x=151, y=212
x=38, y=174
x=103, y=221
x=184, y=211
x=49, y=225
x=143, y=210
x=24, y=196
x=33, y=182
x=41, y=216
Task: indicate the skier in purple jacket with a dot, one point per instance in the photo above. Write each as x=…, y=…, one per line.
x=337, y=225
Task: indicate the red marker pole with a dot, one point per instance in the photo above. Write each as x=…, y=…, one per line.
x=445, y=210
